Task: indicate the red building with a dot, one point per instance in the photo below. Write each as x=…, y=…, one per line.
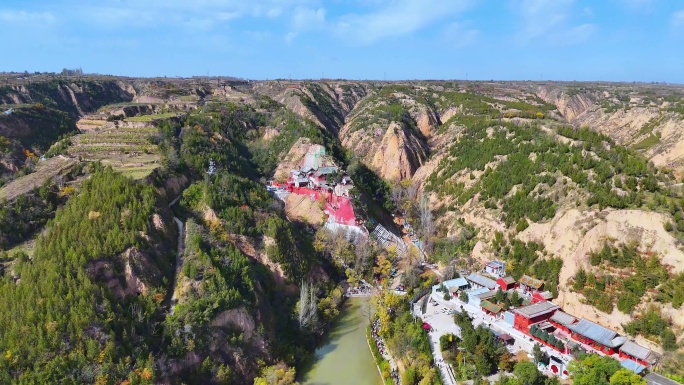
x=506, y=283
x=602, y=339
x=562, y=320
x=541, y=296
x=633, y=351
x=532, y=314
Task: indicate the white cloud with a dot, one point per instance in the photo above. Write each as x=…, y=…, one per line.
x=541, y=16
x=677, y=20
x=12, y=16
x=200, y=14
x=399, y=18
x=574, y=35
x=305, y=18
x=640, y=5
x=550, y=21
x=459, y=35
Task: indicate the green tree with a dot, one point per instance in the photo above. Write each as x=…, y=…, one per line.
x=626, y=377
x=278, y=374
x=506, y=361
x=522, y=225
x=537, y=353
x=580, y=279
x=527, y=373
x=593, y=369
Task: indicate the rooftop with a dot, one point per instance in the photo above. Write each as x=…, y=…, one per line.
x=456, y=282
x=531, y=282
x=598, y=333
x=637, y=351
x=563, y=318
x=487, y=294
x=490, y=307
x=478, y=291
x=537, y=309
x=496, y=264
x=633, y=366
x=508, y=280
x=482, y=281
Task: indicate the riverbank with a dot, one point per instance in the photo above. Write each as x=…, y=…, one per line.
x=380, y=361
x=345, y=358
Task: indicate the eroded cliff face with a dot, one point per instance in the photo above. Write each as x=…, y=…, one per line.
x=391, y=137
x=325, y=103
x=394, y=153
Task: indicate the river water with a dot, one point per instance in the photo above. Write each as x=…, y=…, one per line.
x=345, y=358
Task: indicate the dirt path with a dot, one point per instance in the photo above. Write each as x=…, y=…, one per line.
x=179, y=257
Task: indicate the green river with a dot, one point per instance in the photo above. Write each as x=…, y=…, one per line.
x=345, y=358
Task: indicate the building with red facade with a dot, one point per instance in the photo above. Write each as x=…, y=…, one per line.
x=562, y=320
x=602, y=339
x=541, y=296
x=633, y=351
x=532, y=314
x=506, y=283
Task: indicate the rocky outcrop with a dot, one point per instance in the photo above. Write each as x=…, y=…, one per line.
x=394, y=153
x=571, y=106
x=139, y=268
x=292, y=159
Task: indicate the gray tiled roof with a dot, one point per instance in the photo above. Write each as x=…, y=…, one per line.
x=509, y=280
x=482, y=281
x=596, y=332
x=537, y=309
x=638, y=351
x=563, y=318
x=489, y=294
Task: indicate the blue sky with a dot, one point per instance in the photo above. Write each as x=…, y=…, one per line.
x=629, y=40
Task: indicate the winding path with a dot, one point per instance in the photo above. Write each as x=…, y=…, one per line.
x=179, y=258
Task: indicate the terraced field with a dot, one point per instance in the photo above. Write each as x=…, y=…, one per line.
x=126, y=147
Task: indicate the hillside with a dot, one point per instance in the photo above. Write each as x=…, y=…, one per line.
x=577, y=184
x=647, y=118
x=524, y=162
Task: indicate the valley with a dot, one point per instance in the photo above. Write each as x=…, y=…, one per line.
x=545, y=176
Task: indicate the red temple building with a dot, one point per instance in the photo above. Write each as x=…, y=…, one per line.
x=532, y=314
x=598, y=337
x=633, y=351
x=562, y=320
x=506, y=283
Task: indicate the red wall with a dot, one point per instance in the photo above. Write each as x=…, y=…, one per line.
x=642, y=362
x=594, y=344
x=561, y=327
x=522, y=323
x=503, y=284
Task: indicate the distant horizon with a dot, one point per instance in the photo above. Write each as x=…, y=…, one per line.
x=87, y=74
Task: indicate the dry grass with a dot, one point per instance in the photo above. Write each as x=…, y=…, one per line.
x=45, y=170
x=127, y=149
x=153, y=117
x=90, y=122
